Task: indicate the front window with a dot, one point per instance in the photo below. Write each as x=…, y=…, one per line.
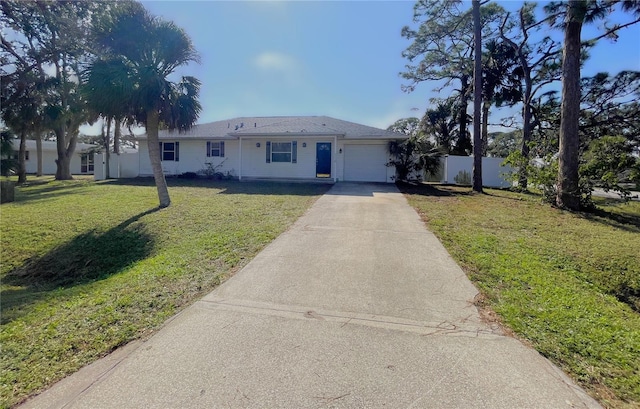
x=170, y=151
x=281, y=152
x=215, y=149
x=284, y=152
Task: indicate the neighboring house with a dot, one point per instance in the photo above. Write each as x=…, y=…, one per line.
x=82, y=161
x=291, y=147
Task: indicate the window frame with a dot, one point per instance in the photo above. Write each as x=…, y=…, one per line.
x=292, y=152
x=286, y=152
x=175, y=151
x=211, y=149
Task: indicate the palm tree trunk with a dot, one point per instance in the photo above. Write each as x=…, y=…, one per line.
x=22, y=156
x=568, y=194
x=153, y=120
x=477, y=98
x=39, y=152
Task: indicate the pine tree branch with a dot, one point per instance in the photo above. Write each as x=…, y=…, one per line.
x=611, y=31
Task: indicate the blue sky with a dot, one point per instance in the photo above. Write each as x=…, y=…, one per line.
x=335, y=58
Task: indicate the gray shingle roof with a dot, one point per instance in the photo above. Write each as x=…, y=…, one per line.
x=281, y=125
x=52, y=145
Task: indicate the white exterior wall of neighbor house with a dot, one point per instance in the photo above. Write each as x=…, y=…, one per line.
x=48, y=162
x=49, y=156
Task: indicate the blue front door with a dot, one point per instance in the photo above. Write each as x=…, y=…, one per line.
x=323, y=160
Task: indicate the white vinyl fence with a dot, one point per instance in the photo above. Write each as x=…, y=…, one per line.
x=459, y=170
x=123, y=165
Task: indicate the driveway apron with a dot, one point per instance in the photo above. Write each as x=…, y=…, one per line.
x=357, y=305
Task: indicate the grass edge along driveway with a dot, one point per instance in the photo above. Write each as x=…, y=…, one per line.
x=89, y=266
x=566, y=283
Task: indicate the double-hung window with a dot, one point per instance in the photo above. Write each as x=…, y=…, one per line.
x=215, y=149
x=286, y=152
x=170, y=151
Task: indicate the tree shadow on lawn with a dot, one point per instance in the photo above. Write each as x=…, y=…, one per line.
x=619, y=221
x=45, y=193
x=424, y=189
x=231, y=187
x=627, y=222
x=87, y=257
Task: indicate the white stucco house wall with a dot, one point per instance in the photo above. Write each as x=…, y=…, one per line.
x=82, y=162
x=287, y=147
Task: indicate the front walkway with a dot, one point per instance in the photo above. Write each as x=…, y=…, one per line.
x=356, y=306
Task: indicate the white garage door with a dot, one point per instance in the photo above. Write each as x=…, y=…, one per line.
x=365, y=163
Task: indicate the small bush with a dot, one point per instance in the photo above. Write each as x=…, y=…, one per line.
x=413, y=156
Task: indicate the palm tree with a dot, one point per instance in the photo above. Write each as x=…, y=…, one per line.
x=140, y=53
x=440, y=123
x=107, y=90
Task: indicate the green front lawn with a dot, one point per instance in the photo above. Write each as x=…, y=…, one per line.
x=567, y=283
x=89, y=266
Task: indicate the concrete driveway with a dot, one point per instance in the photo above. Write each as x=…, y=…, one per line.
x=356, y=306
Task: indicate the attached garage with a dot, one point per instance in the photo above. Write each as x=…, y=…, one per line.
x=365, y=163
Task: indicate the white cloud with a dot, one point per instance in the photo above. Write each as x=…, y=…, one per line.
x=276, y=61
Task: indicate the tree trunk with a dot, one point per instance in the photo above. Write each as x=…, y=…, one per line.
x=485, y=126
x=568, y=194
x=22, y=157
x=153, y=120
x=39, y=152
x=63, y=163
x=477, y=98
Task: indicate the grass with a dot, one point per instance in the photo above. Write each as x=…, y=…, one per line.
x=569, y=284
x=89, y=266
